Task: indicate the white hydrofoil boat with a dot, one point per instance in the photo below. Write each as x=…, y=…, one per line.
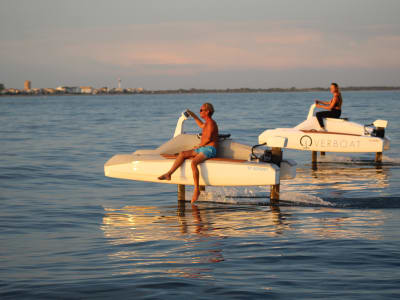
x=236, y=164
x=340, y=135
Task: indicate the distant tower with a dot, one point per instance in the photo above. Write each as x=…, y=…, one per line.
x=119, y=83
x=27, y=85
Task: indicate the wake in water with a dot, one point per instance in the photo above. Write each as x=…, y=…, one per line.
x=329, y=184
x=303, y=199
x=255, y=196
x=260, y=196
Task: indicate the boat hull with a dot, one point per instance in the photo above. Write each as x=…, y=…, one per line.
x=213, y=172
x=326, y=141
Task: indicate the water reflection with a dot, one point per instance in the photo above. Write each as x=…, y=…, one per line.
x=331, y=223
x=188, y=235
x=189, y=239
x=143, y=223
x=191, y=219
x=340, y=178
x=135, y=224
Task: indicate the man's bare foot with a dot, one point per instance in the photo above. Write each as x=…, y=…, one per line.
x=166, y=176
x=196, y=194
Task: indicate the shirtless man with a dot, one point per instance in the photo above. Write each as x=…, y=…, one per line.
x=334, y=106
x=205, y=150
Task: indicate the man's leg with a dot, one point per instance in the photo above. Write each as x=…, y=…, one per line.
x=199, y=158
x=178, y=162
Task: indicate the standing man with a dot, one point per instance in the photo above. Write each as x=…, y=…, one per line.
x=334, y=106
x=205, y=150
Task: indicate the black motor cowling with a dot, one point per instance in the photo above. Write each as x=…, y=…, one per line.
x=380, y=132
x=267, y=156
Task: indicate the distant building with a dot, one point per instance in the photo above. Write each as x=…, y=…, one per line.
x=49, y=91
x=2, y=87
x=13, y=91
x=27, y=85
x=134, y=90
x=86, y=90
x=68, y=89
x=73, y=89
x=62, y=89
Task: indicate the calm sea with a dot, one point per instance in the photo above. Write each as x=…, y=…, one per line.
x=66, y=231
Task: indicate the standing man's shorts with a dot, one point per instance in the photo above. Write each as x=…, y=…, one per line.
x=208, y=151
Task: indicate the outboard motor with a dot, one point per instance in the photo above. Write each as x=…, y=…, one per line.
x=266, y=156
x=380, y=128
x=377, y=128
x=380, y=132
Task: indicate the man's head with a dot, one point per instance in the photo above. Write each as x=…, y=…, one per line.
x=207, y=109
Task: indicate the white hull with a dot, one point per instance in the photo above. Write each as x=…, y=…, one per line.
x=231, y=167
x=326, y=142
x=213, y=172
x=340, y=136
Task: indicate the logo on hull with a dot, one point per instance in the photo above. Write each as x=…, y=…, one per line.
x=328, y=143
x=306, y=141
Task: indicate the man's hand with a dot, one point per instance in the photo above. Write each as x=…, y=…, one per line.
x=192, y=114
x=196, y=118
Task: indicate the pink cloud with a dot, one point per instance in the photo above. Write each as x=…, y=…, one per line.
x=208, y=46
x=192, y=47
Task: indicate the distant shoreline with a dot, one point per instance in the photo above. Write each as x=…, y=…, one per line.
x=208, y=91
x=271, y=90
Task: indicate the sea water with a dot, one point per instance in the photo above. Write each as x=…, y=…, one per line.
x=67, y=231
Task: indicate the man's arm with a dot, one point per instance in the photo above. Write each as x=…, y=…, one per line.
x=196, y=118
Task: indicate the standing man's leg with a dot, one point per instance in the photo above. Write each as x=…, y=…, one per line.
x=199, y=158
x=178, y=162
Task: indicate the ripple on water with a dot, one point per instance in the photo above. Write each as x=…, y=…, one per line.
x=69, y=232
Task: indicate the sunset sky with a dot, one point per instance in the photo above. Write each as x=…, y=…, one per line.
x=167, y=44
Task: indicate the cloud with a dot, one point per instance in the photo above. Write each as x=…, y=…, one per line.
x=220, y=46
x=201, y=46
x=193, y=48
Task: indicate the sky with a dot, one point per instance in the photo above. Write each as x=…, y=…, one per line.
x=170, y=44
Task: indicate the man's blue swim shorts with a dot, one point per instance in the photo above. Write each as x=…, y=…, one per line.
x=208, y=151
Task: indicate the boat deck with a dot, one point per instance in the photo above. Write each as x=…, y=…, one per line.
x=173, y=156
x=328, y=132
